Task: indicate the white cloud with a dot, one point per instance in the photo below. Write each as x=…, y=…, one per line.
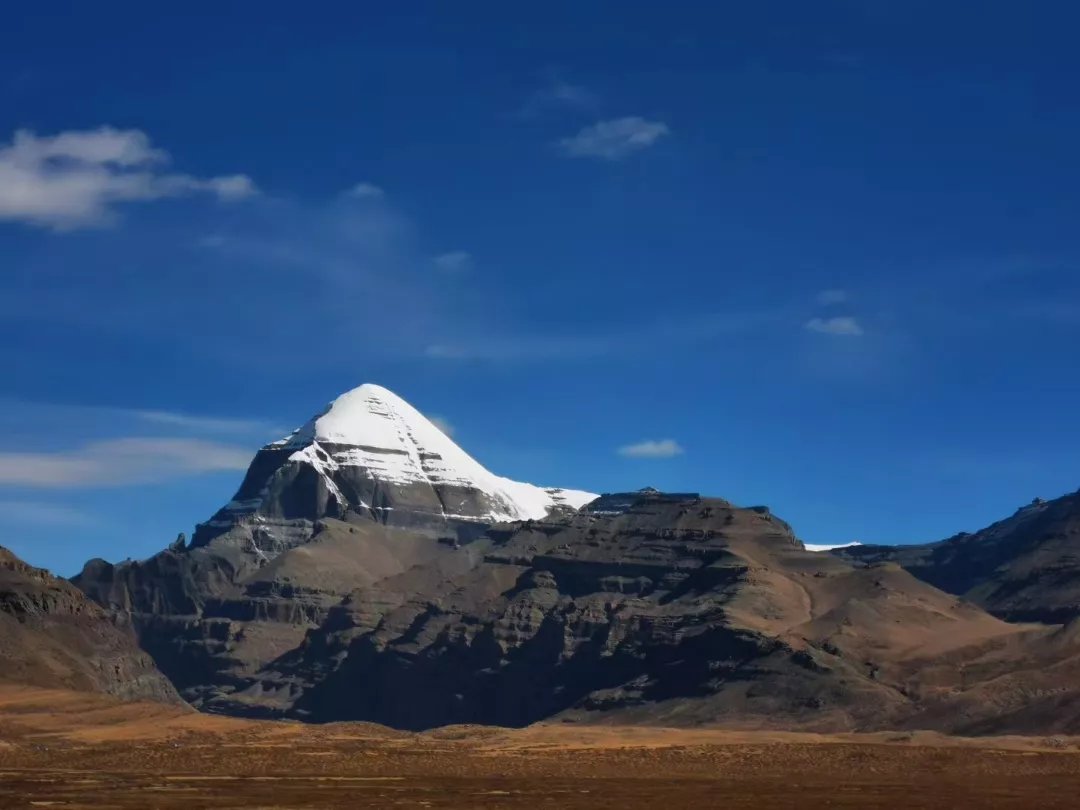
x=120, y=462
x=663, y=448
x=830, y=297
x=456, y=261
x=615, y=139
x=443, y=425
x=44, y=513
x=840, y=325
x=75, y=179
x=368, y=191
x=210, y=424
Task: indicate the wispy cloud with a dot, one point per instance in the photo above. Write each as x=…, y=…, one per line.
x=366, y=190
x=332, y=255
x=652, y=448
x=623, y=339
x=455, y=261
x=210, y=424
x=843, y=325
x=522, y=348
x=75, y=179
x=832, y=297
x=615, y=139
x=45, y=513
x=442, y=424
x=559, y=93
x=121, y=462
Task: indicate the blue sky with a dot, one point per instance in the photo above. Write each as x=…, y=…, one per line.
x=820, y=256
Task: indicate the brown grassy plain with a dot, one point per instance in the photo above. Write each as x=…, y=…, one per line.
x=73, y=750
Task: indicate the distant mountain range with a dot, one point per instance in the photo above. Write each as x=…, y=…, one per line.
x=1025, y=568
x=369, y=569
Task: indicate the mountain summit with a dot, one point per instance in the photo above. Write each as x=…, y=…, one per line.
x=372, y=453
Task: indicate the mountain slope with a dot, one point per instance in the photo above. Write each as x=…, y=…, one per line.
x=1023, y=568
x=644, y=607
x=52, y=635
x=365, y=490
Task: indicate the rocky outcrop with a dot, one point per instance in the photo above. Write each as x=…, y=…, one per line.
x=52, y=635
x=213, y=615
x=1023, y=568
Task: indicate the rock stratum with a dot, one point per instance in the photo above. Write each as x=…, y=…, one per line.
x=369, y=569
x=51, y=635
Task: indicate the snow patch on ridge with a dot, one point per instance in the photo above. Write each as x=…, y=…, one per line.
x=829, y=546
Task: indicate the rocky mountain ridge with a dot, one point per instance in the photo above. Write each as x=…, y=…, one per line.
x=1023, y=568
x=664, y=609
x=52, y=635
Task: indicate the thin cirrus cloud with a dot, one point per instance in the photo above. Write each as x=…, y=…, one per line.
x=557, y=94
x=121, y=462
x=832, y=297
x=76, y=179
x=652, y=448
x=45, y=513
x=615, y=139
x=455, y=261
x=841, y=326
x=210, y=424
x=641, y=337
x=46, y=418
x=365, y=190
x=442, y=424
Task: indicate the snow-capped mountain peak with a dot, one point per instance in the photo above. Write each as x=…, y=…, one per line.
x=373, y=428
x=371, y=453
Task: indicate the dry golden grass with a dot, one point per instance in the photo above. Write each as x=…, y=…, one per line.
x=76, y=750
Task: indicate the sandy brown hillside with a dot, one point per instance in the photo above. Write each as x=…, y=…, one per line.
x=52, y=635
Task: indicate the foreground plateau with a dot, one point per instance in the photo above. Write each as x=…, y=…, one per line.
x=77, y=750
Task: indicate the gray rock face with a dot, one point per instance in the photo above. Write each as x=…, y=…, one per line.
x=212, y=615
x=642, y=608
x=365, y=490
x=1023, y=568
x=51, y=635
